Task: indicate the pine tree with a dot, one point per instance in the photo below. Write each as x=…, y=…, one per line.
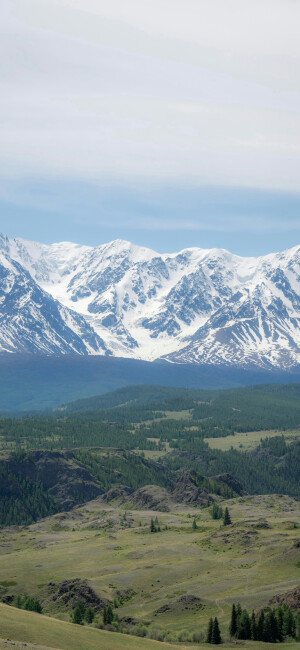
x=78, y=614
x=216, y=511
x=226, y=519
x=209, y=631
x=244, y=626
x=233, y=621
x=253, y=628
x=89, y=615
x=216, y=636
x=109, y=615
x=288, y=627
x=194, y=525
x=279, y=618
x=260, y=626
x=152, y=527
x=267, y=633
x=273, y=627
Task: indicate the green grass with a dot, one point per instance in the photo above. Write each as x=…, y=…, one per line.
x=28, y=627
x=220, y=565
x=249, y=440
x=35, y=628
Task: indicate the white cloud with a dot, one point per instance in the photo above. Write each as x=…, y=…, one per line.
x=205, y=91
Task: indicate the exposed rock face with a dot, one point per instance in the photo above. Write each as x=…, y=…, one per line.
x=152, y=497
x=70, y=592
x=290, y=598
x=118, y=492
x=192, y=487
x=232, y=483
x=189, y=489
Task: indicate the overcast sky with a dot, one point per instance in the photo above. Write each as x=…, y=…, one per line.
x=171, y=123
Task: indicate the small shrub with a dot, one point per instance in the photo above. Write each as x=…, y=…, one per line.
x=183, y=635
x=139, y=630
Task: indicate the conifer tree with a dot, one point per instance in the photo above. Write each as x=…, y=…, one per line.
x=260, y=626
x=78, y=614
x=109, y=615
x=244, y=626
x=194, y=524
x=216, y=636
x=226, y=519
x=288, y=627
x=152, y=527
x=89, y=615
x=279, y=618
x=267, y=632
x=273, y=627
x=233, y=621
x=209, y=631
x=253, y=627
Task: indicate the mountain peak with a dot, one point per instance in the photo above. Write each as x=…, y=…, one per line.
x=198, y=305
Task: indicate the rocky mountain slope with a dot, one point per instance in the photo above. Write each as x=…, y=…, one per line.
x=195, y=306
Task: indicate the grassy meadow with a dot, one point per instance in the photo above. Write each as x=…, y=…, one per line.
x=176, y=579
x=245, y=441
x=38, y=632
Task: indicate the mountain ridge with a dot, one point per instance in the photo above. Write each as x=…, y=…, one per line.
x=195, y=306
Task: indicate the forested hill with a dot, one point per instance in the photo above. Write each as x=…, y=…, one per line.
x=255, y=407
x=138, y=396
x=105, y=439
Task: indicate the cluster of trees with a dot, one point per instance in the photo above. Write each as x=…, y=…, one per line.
x=213, y=632
x=29, y=603
x=154, y=526
x=269, y=625
x=82, y=613
x=217, y=512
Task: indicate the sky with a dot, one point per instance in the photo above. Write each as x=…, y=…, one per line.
x=170, y=123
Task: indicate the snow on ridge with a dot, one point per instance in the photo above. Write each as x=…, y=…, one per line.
x=182, y=306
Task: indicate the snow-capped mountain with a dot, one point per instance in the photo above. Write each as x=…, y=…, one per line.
x=199, y=306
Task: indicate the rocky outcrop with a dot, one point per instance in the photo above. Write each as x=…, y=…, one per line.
x=70, y=592
x=120, y=493
x=152, y=497
x=232, y=483
x=290, y=598
x=190, y=488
